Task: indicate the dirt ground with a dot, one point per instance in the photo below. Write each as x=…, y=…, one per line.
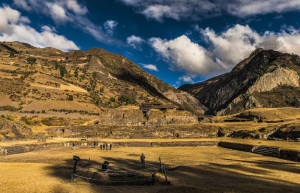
x=190, y=169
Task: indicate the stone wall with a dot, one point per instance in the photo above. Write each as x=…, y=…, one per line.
x=281, y=153
x=138, y=132
x=121, y=116
x=169, y=117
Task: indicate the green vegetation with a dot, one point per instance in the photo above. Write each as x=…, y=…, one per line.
x=11, y=118
x=112, y=99
x=62, y=71
x=127, y=99
x=31, y=60
x=94, y=74
x=56, y=65
x=101, y=89
x=76, y=72
x=93, y=84
x=8, y=108
x=70, y=97
x=30, y=121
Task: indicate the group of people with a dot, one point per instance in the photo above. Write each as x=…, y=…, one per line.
x=107, y=146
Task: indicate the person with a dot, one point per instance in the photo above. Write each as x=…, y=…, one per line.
x=104, y=165
x=110, y=147
x=101, y=146
x=73, y=146
x=106, y=146
x=94, y=144
x=143, y=157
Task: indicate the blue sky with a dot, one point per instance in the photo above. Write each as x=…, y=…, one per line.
x=179, y=41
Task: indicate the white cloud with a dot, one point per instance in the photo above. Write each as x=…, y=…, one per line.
x=110, y=26
x=185, y=55
x=57, y=12
x=225, y=49
x=197, y=9
x=158, y=12
x=236, y=43
x=255, y=7
x=76, y=8
x=68, y=11
x=150, y=67
x=23, y=4
x=184, y=80
x=233, y=45
x=14, y=27
x=134, y=41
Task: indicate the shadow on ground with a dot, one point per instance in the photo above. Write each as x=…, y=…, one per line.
x=210, y=177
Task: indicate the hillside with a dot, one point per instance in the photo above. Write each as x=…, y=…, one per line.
x=50, y=81
x=266, y=79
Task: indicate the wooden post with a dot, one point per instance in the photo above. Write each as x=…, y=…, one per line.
x=160, y=165
x=74, y=169
x=76, y=159
x=165, y=172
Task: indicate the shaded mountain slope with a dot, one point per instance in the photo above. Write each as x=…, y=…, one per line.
x=266, y=78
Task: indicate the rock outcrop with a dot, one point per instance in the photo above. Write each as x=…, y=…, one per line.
x=261, y=80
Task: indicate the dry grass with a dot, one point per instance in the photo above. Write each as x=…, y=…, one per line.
x=193, y=169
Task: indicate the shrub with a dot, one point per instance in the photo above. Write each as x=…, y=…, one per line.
x=11, y=118
x=127, y=99
x=94, y=74
x=31, y=60
x=62, y=70
x=102, y=89
x=70, y=97
x=112, y=99
x=76, y=72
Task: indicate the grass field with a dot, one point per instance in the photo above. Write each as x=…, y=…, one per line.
x=191, y=169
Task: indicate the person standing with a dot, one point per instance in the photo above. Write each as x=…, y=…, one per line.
x=110, y=147
x=73, y=146
x=143, y=157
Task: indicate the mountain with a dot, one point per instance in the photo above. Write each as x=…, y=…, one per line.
x=265, y=79
x=50, y=81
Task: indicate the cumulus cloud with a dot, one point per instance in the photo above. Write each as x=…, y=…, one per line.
x=150, y=67
x=14, y=27
x=236, y=43
x=233, y=45
x=184, y=80
x=225, y=49
x=110, y=26
x=135, y=41
x=185, y=55
x=197, y=9
x=68, y=11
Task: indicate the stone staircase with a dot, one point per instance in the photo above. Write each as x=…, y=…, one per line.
x=266, y=150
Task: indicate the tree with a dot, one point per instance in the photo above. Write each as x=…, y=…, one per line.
x=62, y=70
x=31, y=60
x=56, y=65
x=93, y=84
x=70, y=97
x=76, y=72
x=127, y=99
x=101, y=89
x=94, y=74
